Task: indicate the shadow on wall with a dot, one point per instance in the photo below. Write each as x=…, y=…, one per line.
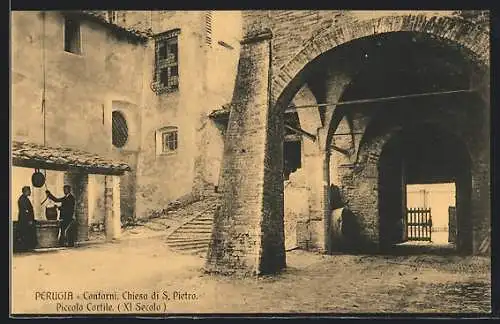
x=346, y=230
x=346, y=233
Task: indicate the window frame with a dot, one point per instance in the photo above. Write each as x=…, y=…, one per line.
x=163, y=142
x=79, y=42
x=164, y=65
x=124, y=117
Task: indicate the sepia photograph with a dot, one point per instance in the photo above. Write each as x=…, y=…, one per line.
x=218, y=162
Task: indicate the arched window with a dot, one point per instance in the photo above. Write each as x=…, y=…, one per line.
x=119, y=129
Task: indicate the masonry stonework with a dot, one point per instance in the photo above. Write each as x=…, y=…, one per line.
x=248, y=227
x=300, y=37
x=313, y=57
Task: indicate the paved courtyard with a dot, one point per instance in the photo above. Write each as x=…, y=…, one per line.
x=121, y=277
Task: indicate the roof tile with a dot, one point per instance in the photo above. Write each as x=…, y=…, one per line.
x=59, y=156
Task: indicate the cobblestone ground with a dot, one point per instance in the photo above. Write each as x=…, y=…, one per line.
x=312, y=283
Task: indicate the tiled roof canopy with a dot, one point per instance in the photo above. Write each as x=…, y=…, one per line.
x=57, y=158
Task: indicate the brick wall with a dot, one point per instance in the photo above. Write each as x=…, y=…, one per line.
x=248, y=226
x=302, y=35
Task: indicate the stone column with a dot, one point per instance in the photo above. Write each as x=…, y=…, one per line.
x=112, y=206
x=313, y=165
x=78, y=181
x=248, y=234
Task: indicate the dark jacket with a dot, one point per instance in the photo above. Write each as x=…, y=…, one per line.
x=67, y=208
x=26, y=213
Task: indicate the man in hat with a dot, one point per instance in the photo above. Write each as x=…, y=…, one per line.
x=26, y=220
x=66, y=215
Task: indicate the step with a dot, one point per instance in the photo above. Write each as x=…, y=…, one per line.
x=195, y=231
x=188, y=243
x=199, y=222
x=204, y=219
x=182, y=236
x=191, y=247
x=188, y=233
x=184, y=239
x=196, y=227
x=197, y=251
x=207, y=224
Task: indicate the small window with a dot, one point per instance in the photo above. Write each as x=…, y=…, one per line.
x=167, y=140
x=170, y=141
x=167, y=65
x=119, y=129
x=72, y=40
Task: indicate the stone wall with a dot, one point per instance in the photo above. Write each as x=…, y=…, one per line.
x=81, y=89
x=115, y=73
x=162, y=178
x=196, y=164
x=78, y=87
x=248, y=234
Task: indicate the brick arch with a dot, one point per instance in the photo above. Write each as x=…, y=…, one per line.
x=310, y=119
x=465, y=33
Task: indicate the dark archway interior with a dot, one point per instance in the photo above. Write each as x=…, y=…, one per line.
x=416, y=155
x=396, y=64
x=400, y=64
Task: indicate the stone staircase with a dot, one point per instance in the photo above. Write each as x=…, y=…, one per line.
x=193, y=237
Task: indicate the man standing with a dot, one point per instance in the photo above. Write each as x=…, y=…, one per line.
x=26, y=220
x=67, y=210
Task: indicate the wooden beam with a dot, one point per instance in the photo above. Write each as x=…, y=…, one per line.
x=341, y=150
x=301, y=131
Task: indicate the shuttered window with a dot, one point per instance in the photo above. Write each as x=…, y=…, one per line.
x=119, y=129
x=166, y=76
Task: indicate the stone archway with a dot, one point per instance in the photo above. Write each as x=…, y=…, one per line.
x=250, y=238
x=470, y=38
x=464, y=33
x=442, y=158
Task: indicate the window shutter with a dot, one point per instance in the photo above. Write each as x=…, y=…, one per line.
x=208, y=28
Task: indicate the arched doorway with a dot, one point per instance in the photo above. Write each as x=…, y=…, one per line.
x=422, y=154
x=435, y=46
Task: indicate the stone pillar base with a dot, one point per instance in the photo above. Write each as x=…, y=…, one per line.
x=112, y=205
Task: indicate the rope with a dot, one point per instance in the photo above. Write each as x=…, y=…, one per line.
x=44, y=80
x=44, y=86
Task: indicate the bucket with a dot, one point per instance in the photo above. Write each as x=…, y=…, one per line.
x=51, y=213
